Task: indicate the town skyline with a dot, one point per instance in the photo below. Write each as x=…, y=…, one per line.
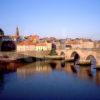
x=57, y=18
x=36, y=34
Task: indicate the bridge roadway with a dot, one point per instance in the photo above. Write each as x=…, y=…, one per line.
x=82, y=54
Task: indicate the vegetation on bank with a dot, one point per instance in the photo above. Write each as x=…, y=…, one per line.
x=53, y=50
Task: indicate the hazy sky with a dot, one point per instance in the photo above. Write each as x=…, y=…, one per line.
x=60, y=18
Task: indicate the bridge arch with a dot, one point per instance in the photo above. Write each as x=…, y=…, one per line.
x=92, y=59
x=75, y=55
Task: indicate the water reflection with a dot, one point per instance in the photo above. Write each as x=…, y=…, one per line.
x=6, y=68
x=9, y=67
x=73, y=69
x=82, y=72
x=86, y=73
x=37, y=67
x=63, y=64
x=53, y=65
x=1, y=82
x=97, y=78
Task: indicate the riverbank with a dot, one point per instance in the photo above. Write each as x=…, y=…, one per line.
x=7, y=57
x=25, y=59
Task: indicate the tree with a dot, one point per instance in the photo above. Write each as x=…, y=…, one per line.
x=53, y=50
x=1, y=32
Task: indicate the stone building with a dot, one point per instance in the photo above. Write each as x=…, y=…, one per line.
x=80, y=43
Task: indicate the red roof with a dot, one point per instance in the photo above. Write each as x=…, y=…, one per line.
x=26, y=43
x=41, y=44
x=32, y=37
x=31, y=43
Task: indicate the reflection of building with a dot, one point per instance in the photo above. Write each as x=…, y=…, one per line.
x=9, y=67
x=38, y=67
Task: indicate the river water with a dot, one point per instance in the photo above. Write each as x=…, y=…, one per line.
x=49, y=80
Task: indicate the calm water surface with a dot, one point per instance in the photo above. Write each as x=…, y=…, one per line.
x=49, y=80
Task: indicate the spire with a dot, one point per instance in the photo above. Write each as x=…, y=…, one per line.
x=17, y=31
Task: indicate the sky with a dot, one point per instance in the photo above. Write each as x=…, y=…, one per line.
x=58, y=18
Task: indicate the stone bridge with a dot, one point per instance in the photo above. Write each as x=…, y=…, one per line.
x=81, y=55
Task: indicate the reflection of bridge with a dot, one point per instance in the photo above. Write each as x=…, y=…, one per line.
x=81, y=54
x=46, y=67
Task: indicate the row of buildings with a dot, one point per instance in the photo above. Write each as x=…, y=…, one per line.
x=35, y=43
x=27, y=43
x=83, y=43
x=77, y=43
x=30, y=46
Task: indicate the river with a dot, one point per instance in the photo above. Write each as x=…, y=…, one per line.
x=49, y=80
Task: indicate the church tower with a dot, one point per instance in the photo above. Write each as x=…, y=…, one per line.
x=17, y=32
